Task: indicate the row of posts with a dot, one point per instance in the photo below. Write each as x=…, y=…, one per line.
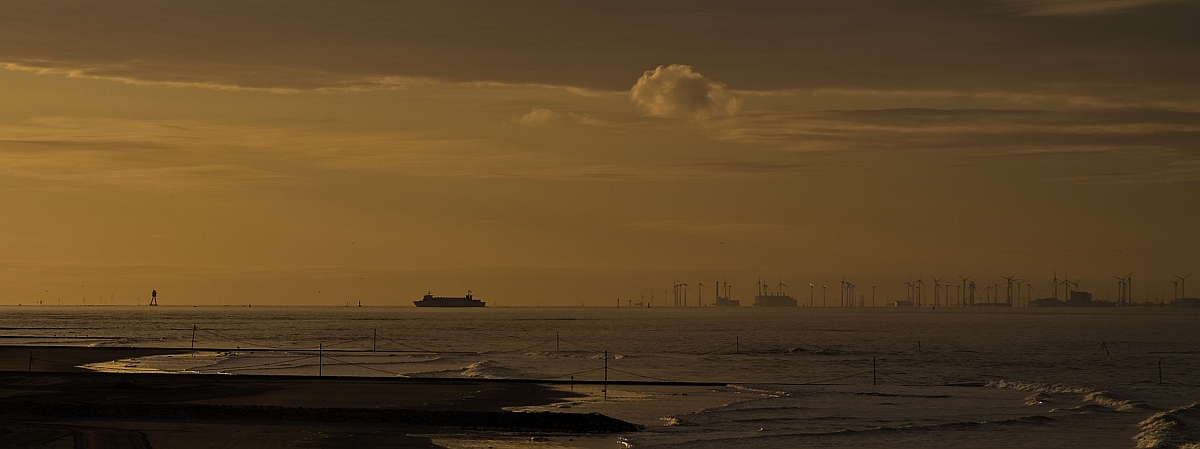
x=736, y=350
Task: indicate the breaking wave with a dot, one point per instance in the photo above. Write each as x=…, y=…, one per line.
x=1178, y=428
x=574, y=355
x=1044, y=392
x=488, y=369
x=780, y=439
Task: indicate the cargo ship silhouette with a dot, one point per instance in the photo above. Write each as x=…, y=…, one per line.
x=448, y=301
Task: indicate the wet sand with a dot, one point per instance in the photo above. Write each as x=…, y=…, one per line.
x=56, y=405
x=65, y=359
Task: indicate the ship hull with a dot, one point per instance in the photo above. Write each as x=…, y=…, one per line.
x=467, y=303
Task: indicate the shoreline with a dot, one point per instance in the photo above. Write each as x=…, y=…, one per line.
x=57, y=403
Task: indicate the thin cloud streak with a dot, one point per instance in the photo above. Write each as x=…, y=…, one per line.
x=967, y=131
x=1082, y=7
x=598, y=47
x=195, y=154
x=1176, y=172
x=703, y=228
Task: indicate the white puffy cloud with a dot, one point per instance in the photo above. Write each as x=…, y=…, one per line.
x=678, y=91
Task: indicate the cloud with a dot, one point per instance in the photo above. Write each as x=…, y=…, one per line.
x=128, y=153
x=1144, y=53
x=704, y=228
x=967, y=131
x=538, y=117
x=1175, y=172
x=193, y=154
x=1081, y=7
x=677, y=91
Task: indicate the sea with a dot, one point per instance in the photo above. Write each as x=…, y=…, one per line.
x=718, y=377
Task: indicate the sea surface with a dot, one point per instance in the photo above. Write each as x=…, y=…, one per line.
x=781, y=377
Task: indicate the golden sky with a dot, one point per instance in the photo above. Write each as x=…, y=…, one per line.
x=319, y=152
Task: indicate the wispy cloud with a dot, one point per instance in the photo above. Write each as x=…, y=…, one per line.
x=189, y=154
x=978, y=131
x=216, y=77
x=1082, y=7
x=703, y=228
x=1176, y=172
x=599, y=48
x=120, y=153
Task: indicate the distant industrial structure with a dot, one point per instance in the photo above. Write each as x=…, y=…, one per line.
x=1012, y=292
x=723, y=296
x=767, y=298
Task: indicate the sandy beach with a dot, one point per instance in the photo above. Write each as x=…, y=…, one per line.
x=51, y=405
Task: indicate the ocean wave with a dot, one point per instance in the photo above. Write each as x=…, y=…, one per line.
x=762, y=389
x=1121, y=405
x=1043, y=392
x=1037, y=399
x=781, y=438
x=573, y=355
x=488, y=369
x=904, y=395
x=1178, y=428
x=1038, y=387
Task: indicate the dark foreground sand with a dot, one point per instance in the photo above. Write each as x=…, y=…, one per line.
x=64, y=407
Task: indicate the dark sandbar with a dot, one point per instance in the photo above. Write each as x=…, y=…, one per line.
x=39, y=409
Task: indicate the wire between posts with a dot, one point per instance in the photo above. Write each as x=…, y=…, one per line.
x=641, y=375
x=833, y=379
x=354, y=340
x=716, y=350
x=362, y=366
x=525, y=348
x=897, y=379
x=577, y=345
x=904, y=351
x=248, y=343
x=268, y=364
x=573, y=374
x=408, y=345
x=55, y=362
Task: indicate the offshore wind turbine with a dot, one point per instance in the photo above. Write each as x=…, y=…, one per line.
x=1129, y=287
x=1120, y=290
x=1054, y=284
x=962, y=289
x=1008, y=290
x=937, y=284
x=1182, y=284
x=920, y=283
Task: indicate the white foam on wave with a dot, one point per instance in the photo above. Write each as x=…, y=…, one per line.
x=761, y=389
x=1038, y=387
x=1044, y=392
x=169, y=363
x=574, y=355
x=1178, y=428
x=488, y=369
